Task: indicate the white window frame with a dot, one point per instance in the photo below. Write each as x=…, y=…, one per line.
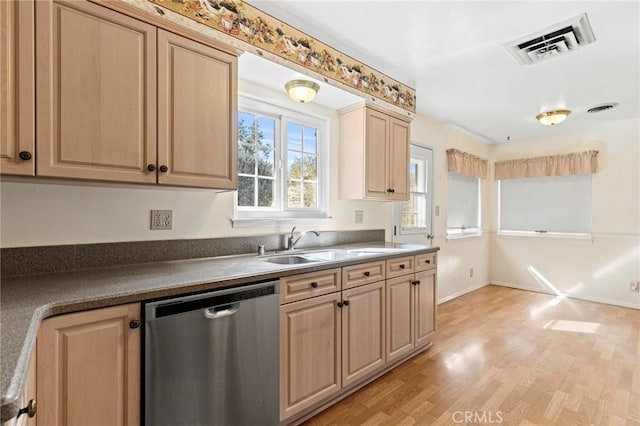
x=466, y=232
x=246, y=216
x=424, y=153
x=545, y=234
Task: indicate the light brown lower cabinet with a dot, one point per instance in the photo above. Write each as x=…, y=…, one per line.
x=28, y=403
x=88, y=368
x=411, y=311
x=424, y=306
x=332, y=343
x=310, y=351
x=363, y=331
x=400, y=319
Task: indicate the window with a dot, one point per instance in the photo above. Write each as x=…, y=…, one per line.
x=463, y=213
x=415, y=215
x=555, y=204
x=280, y=154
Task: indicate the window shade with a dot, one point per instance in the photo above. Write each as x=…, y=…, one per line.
x=552, y=204
x=463, y=213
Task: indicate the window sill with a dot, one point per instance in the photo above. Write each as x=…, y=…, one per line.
x=552, y=235
x=463, y=237
x=248, y=222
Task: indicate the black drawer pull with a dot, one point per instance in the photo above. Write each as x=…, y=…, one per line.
x=367, y=273
x=428, y=261
x=314, y=284
x=402, y=266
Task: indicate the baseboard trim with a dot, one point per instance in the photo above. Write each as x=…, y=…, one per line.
x=570, y=295
x=463, y=292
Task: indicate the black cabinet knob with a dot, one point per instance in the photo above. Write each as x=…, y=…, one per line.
x=428, y=261
x=402, y=266
x=418, y=282
x=314, y=284
x=339, y=304
x=134, y=324
x=164, y=169
x=389, y=190
x=345, y=303
x=367, y=273
x=393, y=191
x=25, y=155
x=151, y=167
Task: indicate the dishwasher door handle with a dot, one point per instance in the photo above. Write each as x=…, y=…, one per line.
x=221, y=311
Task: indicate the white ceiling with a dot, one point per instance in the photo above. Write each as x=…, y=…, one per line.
x=453, y=54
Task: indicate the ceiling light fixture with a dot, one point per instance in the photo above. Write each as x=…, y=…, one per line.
x=551, y=118
x=302, y=91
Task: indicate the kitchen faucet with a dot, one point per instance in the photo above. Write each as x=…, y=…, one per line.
x=291, y=244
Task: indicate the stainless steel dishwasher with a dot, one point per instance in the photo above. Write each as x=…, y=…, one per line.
x=213, y=359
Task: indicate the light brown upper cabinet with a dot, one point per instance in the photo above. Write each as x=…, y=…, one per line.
x=106, y=82
x=16, y=87
x=95, y=85
x=88, y=368
x=197, y=97
x=374, y=154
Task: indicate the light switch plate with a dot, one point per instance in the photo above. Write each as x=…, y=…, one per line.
x=161, y=219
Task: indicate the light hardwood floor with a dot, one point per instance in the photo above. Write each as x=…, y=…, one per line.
x=525, y=358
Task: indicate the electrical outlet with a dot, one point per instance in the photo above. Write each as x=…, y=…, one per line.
x=161, y=219
x=470, y=272
x=634, y=286
x=358, y=216
x=437, y=210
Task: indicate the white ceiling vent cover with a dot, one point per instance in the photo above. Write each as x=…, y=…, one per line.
x=553, y=41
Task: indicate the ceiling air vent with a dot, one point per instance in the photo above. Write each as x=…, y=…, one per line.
x=560, y=38
x=603, y=107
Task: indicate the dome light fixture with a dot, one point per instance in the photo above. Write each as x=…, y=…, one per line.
x=551, y=118
x=302, y=91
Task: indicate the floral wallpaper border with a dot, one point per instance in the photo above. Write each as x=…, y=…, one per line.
x=273, y=37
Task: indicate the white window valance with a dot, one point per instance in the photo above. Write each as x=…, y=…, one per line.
x=576, y=163
x=466, y=164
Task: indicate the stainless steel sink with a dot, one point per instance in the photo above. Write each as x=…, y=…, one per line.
x=289, y=260
x=325, y=255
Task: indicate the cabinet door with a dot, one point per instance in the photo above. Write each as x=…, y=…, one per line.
x=197, y=96
x=88, y=368
x=400, y=322
x=376, y=137
x=363, y=331
x=425, y=306
x=16, y=87
x=398, y=159
x=309, y=352
x=96, y=85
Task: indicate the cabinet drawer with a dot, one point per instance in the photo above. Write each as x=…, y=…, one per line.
x=426, y=261
x=303, y=286
x=364, y=273
x=400, y=266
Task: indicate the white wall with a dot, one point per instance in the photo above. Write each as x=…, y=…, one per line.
x=456, y=257
x=599, y=269
x=35, y=213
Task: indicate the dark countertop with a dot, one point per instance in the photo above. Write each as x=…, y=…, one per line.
x=26, y=301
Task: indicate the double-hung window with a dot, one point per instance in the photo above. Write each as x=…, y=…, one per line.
x=415, y=215
x=281, y=159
